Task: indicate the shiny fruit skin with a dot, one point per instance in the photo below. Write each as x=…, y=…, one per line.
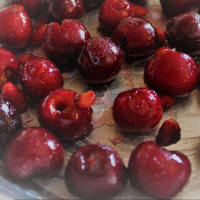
x=34, y=151
x=101, y=170
x=137, y=110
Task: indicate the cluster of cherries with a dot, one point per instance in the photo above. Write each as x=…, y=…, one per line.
x=96, y=170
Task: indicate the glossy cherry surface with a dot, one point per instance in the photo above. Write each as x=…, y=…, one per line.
x=158, y=172
x=101, y=170
x=34, y=151
x=172, y=8
x=183, y=32
x=15, y=26
x=33, y=7
x=137, y=110
x=172, y=73
x=9, y=66
x=100, y=60
x=61, y=112
x=10, y=120
x=65, y=40
x=39, y=76
x=137, y=37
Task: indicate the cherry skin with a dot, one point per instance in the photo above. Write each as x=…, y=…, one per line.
x=15, y=26
x=172, y=73
x=63, y=112
x=172, y=8
x=158, y=172
x=16, y=96
x=39, y=76
x=101, y=170
x=137, y=37
x=32, y=6
x=137, y=110
x=10, y=121
x=183, y=32
x=65, y=40
x=34, y=151
x=100, y=60
x=9, y=66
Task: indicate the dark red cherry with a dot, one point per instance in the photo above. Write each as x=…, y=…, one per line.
x=39, y=76
x=172, y=73
x=64, y=9
x=172, y=8
x=101, y=170
x=183, y=32
x=33, y=7
x=10, y=121
x=100, y=60
x=167, y=101
x=9, y=66
x=67, y=113
x=158, y=172
x=60, y=42
x=15, y=26
x=34, y=151
x=137, y=110
x=137, y=37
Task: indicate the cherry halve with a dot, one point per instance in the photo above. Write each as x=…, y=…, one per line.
x=67, y=113
x=137, y=110
x=95, y=171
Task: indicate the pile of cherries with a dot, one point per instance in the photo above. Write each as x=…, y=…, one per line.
x=96, y=170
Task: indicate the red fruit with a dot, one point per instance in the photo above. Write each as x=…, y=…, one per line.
x=32, y=6
x=161, y=35
x=171, y=73
x=169, y=133
x=10, y=120
x=37, y=37
x=9, y=66
x=158, y=172
x=172, y=8
x=34, y=151
x=40, y=22
x=100, y=60
x=86, y=99
x=26, y=57
x=166, y=101
x=137, y=11
x=137, y=37
x=183, y=32
x=137, y=110
x=101, y=170
x=64, y=9
x=15, y=26
x=61, y=112
x=112, y=12
x=60, y=41
x=39, y=76
x=15, y=95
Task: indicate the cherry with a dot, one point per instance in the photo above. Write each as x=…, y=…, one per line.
x=10, y=120
x=137, y=110
x=65, y=40
x=172, y=8
x=34, y=151
x=64, y=9
x=67, y=113
x=171, y=73
x=100, y=60
x=158, y=172
x=32, y=6
x=137, y=10
x=183, y=32
x=101, y=170
x=15, y=26
x=9, y=66
x=166, y=101
x=16, y=96
x=37, y=37
x=169, y=133
x=39, y=76
x=137, y=37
